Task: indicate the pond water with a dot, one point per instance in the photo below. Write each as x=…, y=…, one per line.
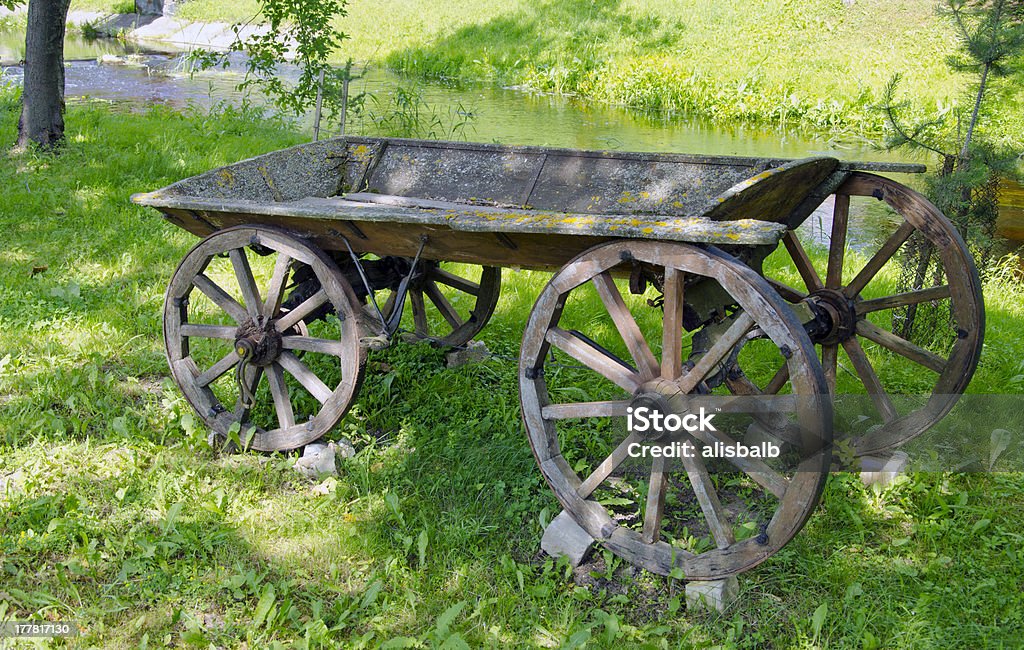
x=494, y=114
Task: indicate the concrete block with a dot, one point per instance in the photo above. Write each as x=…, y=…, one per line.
x=564, y=538
x=474, y=352
x=712, y=595
x=883, y=470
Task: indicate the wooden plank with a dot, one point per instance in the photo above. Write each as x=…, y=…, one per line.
x=582, y=410
x=758, y=471
x=196, y=330
x=447, y=311
x=725, y=343
x=312, y=344
x=901, y=346
x=903, y=299
x=220, y=297
x=607, y=466
x=305, y=376
x=282, y=401
x=628, y=329
x=870, y=380
x=246, y=282
x=301, y=311
x=217, y=370
x=707, y=497
x=837, y=243
x=275, y=290
x=672, y=326
x=655, y=507
x=464, y=285
x=875, y=264
x=803, y=263
x=610, y=367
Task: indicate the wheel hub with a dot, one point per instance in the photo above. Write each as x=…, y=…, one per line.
x=258, y=342
x=835, y=316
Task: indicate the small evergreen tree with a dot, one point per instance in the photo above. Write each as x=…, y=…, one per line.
x=990, y=36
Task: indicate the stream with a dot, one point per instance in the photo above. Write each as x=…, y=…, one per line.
x=118, y=71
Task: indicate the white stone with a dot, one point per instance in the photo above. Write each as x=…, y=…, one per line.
x=564, y=538
x=883, y=470
x=317, y=460
x=712, y=595
x=474, y=352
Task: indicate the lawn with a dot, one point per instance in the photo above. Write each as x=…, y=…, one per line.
x=116, y=514
x=819, y=64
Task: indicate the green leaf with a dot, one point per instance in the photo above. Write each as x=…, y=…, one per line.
x=980, y=525
x=264, y=605
x=444, y=621
x=371, y=594
x=421, y=547
x=818, y=619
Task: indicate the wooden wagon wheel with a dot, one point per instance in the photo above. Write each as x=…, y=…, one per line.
x=241, y=359
x=859, y=308
x=450, y=303
x=708, y=517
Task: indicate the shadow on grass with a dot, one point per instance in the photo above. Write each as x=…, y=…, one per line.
x=562, y=41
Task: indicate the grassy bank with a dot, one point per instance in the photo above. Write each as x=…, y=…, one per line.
x=117, y=515
x=818, y=64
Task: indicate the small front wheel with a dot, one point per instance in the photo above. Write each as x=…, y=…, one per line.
x=278, y=377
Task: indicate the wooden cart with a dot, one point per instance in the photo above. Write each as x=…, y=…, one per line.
x=311, y=254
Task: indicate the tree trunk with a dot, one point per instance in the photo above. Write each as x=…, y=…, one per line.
x=42, y=101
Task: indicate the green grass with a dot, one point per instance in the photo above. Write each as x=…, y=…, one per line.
x=118, y=515
x=818, y=64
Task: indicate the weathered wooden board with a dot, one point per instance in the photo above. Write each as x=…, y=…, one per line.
x=494, y=202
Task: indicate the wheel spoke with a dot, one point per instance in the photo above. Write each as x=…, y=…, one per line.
x=305, y=376
x=903, y=299
x=454, y=281
x=802, y=262
x=447, y=311
x=220, y=297
x=837, y=244
x=195, y=330
x=879, y=259
x=419, y=313
x=758, y=470
x=276, y=288
x=726, y=342
x=579, y=410
x=787, y=292
x=630, y=332
x=229, y=361
x=279, y=391
x=777, y=381
x=870, y=379
x=607, y=466
x=305, y=308
x=601, y=361
x=830, y=363
x=707, y=497
x=312, y=344
x=672, y=328
x=901, y=346
x=655, y=501
x=246, y=282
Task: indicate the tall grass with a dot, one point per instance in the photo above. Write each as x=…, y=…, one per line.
x=819, y=64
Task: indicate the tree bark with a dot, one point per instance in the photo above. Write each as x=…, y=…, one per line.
x=42, y=100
